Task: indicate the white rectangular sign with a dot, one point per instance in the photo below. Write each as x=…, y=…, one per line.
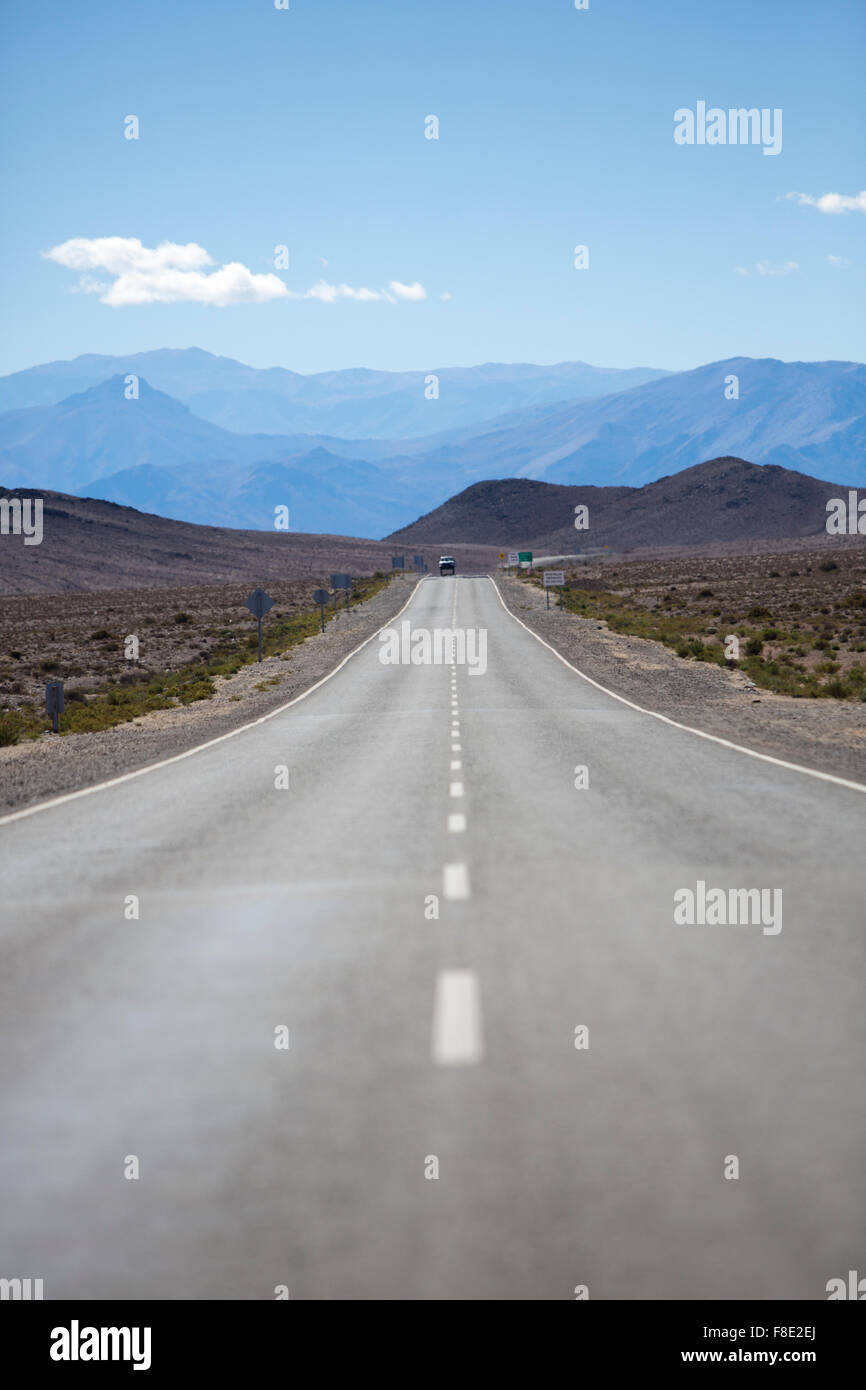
x=513, y=557
x=554, y=579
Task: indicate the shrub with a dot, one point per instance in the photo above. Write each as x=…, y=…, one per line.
x=11, y=725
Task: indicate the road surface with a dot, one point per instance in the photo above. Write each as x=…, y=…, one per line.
x=415, y=1038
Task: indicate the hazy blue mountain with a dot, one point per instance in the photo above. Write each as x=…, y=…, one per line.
x=350, y=404
x=154, y=453
x=805, y=415
x=99, y=431
x=324, y=494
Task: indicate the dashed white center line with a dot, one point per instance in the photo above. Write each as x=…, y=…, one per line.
x=456, y=788
x=456, y=822
x=457, y=1034
x=456, y=764
x=455, y=882
x=456, y=748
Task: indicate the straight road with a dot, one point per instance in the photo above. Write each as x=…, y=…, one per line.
x=419, y=1041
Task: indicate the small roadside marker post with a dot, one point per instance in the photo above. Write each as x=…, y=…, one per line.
x=259, y=603
x=513, y=559
x=554, y=579
x=321, y=597
x=54, y=702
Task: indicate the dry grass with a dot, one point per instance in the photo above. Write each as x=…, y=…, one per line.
x=187, y=638
x=800, y=618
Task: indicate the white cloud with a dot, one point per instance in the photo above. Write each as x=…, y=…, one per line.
x=118, y=254
x=832, y=202
x=413, y=291
x=328, y=294
x=168, y=274
x=446, y=296
x=839, y=262
x=174, y=274
x=768, y=268
x=740, y=270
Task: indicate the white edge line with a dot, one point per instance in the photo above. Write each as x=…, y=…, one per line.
x=687, y=728
x=211, y=742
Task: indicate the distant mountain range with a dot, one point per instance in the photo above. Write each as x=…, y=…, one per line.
x=159, y=454
x=722, y=501
x=351, y=404
x=809, y=416
x=152, y=453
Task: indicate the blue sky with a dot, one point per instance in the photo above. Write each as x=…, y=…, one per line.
x=305, y=128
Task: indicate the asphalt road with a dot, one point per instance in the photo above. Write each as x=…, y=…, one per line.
x=414, y=1037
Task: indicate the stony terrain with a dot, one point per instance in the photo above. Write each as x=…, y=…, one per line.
x=80, y=638
x=823, y=733
x=34, y=770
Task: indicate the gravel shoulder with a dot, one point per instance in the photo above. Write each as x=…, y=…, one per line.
x=39, y=769
x=825, y=734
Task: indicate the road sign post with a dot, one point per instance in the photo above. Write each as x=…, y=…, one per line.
x=398, y=562
x=321, y=597
x=513, y=559
x=418, y=561
x=524, y=557
x=341, y=581
x=54, y=702
x=554, y=579
x=259, y=603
